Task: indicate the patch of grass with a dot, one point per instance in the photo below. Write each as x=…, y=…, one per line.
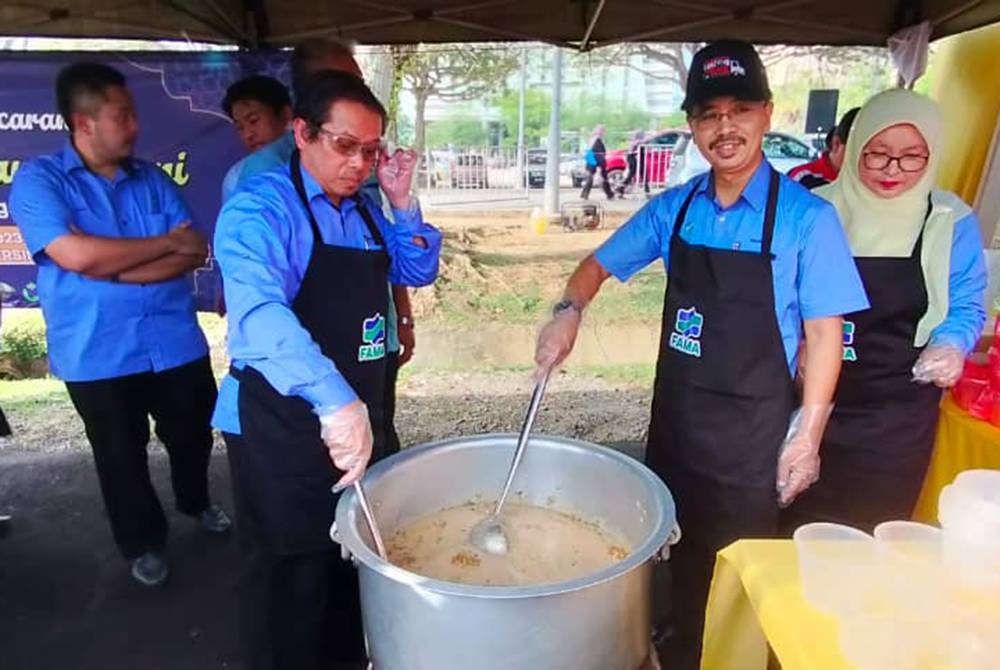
x=34, y=400
x=632, y=374
x=638, y=300
x=465, y=304
x=494, y=260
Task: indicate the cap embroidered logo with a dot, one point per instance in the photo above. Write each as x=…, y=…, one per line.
x=723, y=66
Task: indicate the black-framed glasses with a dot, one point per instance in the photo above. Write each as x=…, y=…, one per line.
x=349, y=147
x=876, y=160
x=738, y=113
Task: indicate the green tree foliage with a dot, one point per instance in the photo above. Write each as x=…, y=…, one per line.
x=455, y=73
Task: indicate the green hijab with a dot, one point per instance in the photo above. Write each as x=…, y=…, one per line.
x=881, y=227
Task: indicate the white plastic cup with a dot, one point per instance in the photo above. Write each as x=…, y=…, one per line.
x=838, y=567
x=909, y=565
x=884, y=641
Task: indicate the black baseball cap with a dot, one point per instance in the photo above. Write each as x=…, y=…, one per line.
x=727, y=68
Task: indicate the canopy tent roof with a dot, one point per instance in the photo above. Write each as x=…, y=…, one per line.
x=575, y=23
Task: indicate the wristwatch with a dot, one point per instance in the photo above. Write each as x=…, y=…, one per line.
x=406, y=321
x=564, y=305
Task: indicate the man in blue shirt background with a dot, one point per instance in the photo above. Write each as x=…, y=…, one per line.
x=755, y=263
x=113, y=242
x=259, y=108
x=306, y=258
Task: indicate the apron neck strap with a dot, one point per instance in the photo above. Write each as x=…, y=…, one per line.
x=295, y=167
x=769, y=212
x=920, y=238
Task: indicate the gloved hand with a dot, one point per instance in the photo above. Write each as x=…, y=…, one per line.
x=555, y=340
x=939, y=363
x=395, y=176
x=347, y=433
x=798, y=461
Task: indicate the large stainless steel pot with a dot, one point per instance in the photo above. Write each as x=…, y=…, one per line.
x=597, y=622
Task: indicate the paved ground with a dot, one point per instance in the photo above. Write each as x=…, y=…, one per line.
x=66, y=601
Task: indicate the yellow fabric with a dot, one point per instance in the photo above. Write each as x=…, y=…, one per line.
x=890, y=227
x=756, y=598
x=966, y=73
x=963, y=442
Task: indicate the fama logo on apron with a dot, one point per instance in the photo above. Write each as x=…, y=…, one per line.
x=687, y=330
x=849, y=353
x=372, y=339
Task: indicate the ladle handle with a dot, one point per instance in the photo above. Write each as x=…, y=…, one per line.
x=522, y=440
x=370, y=518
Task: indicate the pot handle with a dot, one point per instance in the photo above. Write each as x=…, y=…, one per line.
x=673, y=538
x=345, y=553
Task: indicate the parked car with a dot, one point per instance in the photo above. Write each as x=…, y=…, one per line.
x=578, y=171
x=783, y=151
x=659, y=150
x=534, y=167
x=469, y=171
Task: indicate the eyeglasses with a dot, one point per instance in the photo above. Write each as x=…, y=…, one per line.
x=740, y=113
x=875, y=160
x=349, y=147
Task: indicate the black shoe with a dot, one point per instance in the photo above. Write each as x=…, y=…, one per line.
x=215, y=520
x=150, y=569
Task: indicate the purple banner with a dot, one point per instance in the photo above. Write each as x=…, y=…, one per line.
x=182, y=128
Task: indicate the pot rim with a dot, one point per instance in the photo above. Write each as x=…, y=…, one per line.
x=348, y=515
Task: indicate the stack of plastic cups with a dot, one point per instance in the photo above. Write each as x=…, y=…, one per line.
x=969, y=512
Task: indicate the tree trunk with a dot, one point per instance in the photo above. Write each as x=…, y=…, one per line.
x=419, y=125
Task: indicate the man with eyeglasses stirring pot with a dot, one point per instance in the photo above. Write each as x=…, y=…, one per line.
x=305, y=259
x=754, y=263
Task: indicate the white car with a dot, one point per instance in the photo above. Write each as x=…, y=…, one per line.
x=783, y=151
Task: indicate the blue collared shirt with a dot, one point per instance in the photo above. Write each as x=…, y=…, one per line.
x=274, y=155
x=265, y=159
x=814, y=272
x=97, y=329
x=967, y=279
x=263, y=242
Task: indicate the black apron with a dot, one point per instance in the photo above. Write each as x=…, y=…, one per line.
x=877, y=445
x=342, y=303
x=722, y=401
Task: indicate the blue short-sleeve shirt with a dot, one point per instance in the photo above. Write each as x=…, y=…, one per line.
x=98, y=329
x=814, y=272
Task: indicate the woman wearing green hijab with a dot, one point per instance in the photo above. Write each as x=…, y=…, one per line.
x=920, y=255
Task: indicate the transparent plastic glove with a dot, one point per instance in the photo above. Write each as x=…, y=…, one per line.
x=941, y=364
x=798, y=462
x=395, y=175
x=347, y=433
x=555, y=341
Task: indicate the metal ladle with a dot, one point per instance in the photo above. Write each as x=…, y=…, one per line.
x=488, y=535
x=370, y=518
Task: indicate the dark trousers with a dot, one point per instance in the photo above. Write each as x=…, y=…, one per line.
x=392, y=445
x=116, y=413
x=589, y=183
x=634, y=160
x=300, y=611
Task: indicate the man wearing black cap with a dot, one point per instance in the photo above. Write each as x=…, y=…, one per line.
x=754, y=264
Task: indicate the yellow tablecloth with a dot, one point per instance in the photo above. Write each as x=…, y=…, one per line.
x=756, y=595
x=962, y=443
x=756, y=598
